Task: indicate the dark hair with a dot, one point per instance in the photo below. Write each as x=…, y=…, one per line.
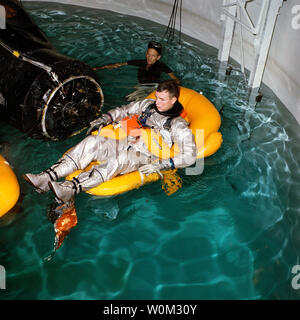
x=171, y=86
x=155, y=45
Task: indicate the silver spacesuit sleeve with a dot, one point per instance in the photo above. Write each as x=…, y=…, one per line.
x=117, y=114
x=185, y=140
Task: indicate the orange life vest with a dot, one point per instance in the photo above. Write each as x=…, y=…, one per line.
x=132, y=125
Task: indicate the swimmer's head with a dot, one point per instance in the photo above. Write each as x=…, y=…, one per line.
x=155, y=45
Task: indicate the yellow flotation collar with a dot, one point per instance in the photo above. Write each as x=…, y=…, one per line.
x=204, y=121
x=119, y=184
x=9, y=187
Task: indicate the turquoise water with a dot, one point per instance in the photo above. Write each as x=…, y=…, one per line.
x=230, y=233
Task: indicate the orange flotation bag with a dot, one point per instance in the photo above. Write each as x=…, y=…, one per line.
x=9, y=187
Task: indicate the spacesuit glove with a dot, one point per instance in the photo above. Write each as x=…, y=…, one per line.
x=97, y=124
x=154, y=167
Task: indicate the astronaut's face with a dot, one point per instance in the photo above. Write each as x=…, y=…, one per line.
x=164, y=101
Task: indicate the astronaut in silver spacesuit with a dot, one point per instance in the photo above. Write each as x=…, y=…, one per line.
x=119, y=157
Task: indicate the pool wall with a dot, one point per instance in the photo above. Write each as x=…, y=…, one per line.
x=201, y=20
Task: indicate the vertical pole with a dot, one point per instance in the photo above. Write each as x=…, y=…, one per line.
x=264, y=42
x=227, y=35
x=263, y=33
x=241, y=42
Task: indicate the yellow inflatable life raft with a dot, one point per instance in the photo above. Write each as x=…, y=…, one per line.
x=204, y=121
x=9, y=187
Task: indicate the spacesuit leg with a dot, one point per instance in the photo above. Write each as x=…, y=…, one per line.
x=116, y=164
x=78, y=157
x=93, y=148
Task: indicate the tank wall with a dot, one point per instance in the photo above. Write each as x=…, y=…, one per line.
x=201, y=20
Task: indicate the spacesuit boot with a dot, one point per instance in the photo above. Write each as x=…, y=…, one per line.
x=65, y=191
x=60, y=169
x=38, y=181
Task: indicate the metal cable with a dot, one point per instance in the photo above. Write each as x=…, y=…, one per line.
x=171, y=28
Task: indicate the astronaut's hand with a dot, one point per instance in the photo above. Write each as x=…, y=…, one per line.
x=150, y=168
x=96, y=125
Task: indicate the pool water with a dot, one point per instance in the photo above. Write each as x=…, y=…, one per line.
x=230, y=233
